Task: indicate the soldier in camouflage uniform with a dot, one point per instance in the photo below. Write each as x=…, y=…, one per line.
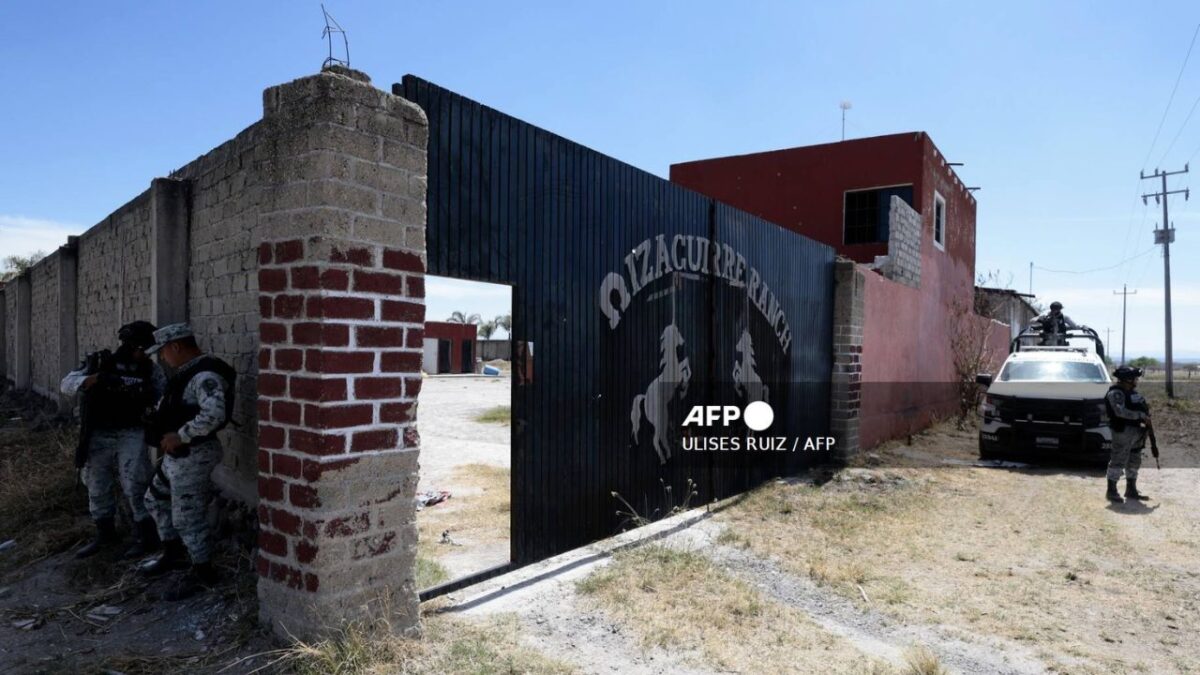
x=196, y=405
x=116, y=390
x=1129, y=420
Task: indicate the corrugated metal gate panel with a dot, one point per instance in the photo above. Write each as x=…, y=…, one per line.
x=514, y=204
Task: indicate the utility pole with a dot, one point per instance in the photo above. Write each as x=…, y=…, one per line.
x=1124, y=293
x=1031, y=277
x=844, y=105
x=1165, y=236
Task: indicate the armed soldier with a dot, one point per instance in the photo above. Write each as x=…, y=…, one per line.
x=196, y=405
x=116, y=391
x=1054, y=325
x=1129, y=420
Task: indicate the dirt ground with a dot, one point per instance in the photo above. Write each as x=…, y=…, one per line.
x=58, y=614
x=888, y=567
x=470, y=459
x=896, y=566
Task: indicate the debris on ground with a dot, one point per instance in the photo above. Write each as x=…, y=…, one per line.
x=1000, y=464
x=431, y=497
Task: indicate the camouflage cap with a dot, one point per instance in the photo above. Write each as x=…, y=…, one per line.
x=168, y=334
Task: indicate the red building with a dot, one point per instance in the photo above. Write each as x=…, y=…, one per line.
x=449, y=347
x=837, y=193
x=841, y=194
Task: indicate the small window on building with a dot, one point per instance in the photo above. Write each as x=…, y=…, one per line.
x=939, y=221
x=865, y=218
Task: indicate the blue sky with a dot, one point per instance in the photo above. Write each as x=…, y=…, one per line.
x=1052, y=106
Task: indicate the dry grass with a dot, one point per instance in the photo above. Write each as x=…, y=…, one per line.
x=446, y=646
x=476, y=515
x=1034, y=557
x=501, y=414
x=429, y=572
x=40, y=504
x=680, y=602
x=921, y=661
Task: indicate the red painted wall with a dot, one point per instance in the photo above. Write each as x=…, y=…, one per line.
x=908, y=374
x=456, y=333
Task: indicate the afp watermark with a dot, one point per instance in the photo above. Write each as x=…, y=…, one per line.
x=757, y=416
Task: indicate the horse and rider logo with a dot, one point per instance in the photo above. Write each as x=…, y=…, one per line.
x=746, y=382
x=654, y=405
x=672, y=383
x=678, y=258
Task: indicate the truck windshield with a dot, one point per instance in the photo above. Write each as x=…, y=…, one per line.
x=1052, y=371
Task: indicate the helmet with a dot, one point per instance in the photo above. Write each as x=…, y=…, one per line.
x=1056, y=305
x=1127, y=373
x=137, y=334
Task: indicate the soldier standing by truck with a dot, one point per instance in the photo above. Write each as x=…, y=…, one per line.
x=196, y=405
x=1129, y=420
x=116, y=390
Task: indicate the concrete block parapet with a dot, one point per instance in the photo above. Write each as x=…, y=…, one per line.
x=341, y=323
x=903, y=261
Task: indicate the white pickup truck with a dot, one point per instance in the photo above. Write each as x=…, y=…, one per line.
x=1047, y=402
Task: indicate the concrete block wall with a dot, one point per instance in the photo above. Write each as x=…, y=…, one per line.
x=113, y=286
x=903, y=261
x=296, y=249
x=10, y=332
x=226, y=196
x=43, y=280
x=846, y=391
x=341, y=295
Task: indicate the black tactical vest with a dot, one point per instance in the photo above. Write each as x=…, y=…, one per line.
x=123, y=393
x=173, y=412
x=1133, y=401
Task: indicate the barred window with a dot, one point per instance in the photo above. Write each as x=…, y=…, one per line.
x=866, y=213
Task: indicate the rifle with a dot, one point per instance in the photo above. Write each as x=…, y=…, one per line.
x=94, y=364
x=1154, y=447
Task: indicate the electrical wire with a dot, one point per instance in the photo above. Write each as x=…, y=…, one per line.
x=1179, y=133
x=1172, y=97
x=1150, y=151
x=1098, y=269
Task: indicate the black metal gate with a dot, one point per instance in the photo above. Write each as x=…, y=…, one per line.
x=640, y=299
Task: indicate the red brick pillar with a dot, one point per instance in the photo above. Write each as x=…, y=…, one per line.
x=341, y=294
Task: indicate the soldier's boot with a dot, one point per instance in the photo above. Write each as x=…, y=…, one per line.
x=106, y=535
x=1113, y=495
x=1131, y=491
x=145, y=539
x=173, y=557
x=200, y=578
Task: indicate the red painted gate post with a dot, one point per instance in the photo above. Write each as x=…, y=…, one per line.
x=341, y=292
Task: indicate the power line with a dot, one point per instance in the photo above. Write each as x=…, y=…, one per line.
x=1179, y=133
x=1165, y=236
x=1149, y=151
x=1124, y=293
x=1172, y=97
x=1098, y=269
x=1129, y=229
